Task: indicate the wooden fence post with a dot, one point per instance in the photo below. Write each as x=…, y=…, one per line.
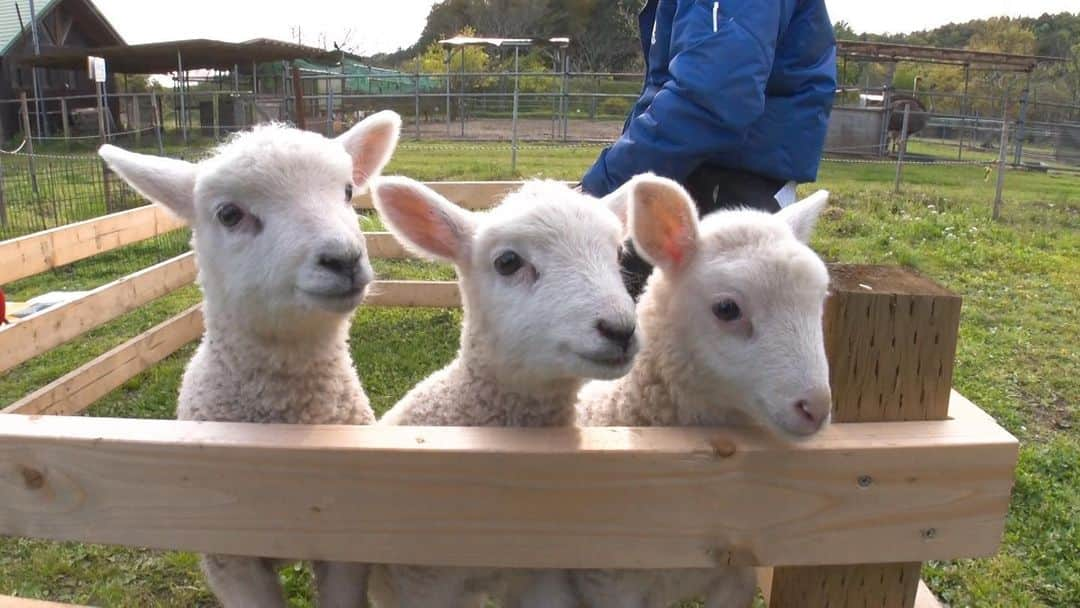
x=891, y=339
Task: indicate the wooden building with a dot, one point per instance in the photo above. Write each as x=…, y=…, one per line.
x=61, y=24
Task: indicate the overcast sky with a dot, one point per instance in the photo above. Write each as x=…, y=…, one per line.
x=386, y=25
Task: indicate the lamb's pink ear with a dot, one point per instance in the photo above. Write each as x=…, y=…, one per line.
x=803, y=215
x=422, y=220
x=371, y=142
x=165, y=181
x=663, y=222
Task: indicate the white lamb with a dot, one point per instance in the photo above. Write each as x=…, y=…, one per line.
x=732, y=317
x=544, y=310
x=282, y=267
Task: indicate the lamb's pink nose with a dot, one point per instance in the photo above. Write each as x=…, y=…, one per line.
x=814, y=407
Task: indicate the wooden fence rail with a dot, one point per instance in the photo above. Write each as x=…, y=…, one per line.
x=657, y=497
x=41, y=251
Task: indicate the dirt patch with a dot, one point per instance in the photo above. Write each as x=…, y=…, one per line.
x=528, y=129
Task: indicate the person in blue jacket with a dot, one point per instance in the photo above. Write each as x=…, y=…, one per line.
x=735, y=105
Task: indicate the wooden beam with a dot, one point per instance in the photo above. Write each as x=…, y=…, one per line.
x=41, y=251
x=50, y=328
x=10, y=601
x=470, y=195
x=597, y=497
x=434, y=294
x=383, y=245
x=79, y=389
x=924, y=598
x=891, y=339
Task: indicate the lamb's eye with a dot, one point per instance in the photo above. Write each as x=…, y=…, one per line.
x=727, y=310
x=348, y=193
x=508, y=263
x=229, y=215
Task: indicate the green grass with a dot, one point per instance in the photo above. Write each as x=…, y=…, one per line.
x=1017, y=358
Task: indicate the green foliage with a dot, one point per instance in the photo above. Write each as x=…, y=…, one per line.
x=603, y=33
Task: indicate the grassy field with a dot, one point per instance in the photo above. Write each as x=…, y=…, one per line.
x=1017, y=358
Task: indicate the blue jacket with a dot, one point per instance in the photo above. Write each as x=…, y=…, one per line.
x=740, y=84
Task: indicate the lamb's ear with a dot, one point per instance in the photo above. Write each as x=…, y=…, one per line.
x=166, y=181
x=619, y=203
x=422, y=220
x=803, y=215
x=663, y=222
x=370, y=143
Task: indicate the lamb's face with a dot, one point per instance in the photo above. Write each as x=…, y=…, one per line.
x=539, y=273
x=543, y=279
x=277, y=236
x=277, y=240
x=740, y=297
x=749, y=321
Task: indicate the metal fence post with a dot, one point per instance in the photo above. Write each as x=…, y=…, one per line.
x=157, y=122
x=29, y=142
x=65, y=122
x=1018, y=155
x=963, y=112
x=136, y=118
x=449, y=56
x=514, y=117
x=416, y=100
x=329, y=108
x=903, y=148
x=215, y=103
x=183, y=108
x=3, y=201
x=1001, y=160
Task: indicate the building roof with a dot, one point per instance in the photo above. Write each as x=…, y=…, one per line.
x=12, y=27
x=196, y=54
x=889, y=52
x=500, y=42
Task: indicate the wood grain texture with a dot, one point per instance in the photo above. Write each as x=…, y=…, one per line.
x=657, y=497
x=877, y=585
x=49, y=328
x=890, y=335
x=470, y=195
x=41, y=251
x=891, y=339
x=79, y=389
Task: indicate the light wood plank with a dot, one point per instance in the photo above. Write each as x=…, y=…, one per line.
x=49, y=328
x=10, y=601
x=41, y=251
x=434, y=294
x=383, y=245
x=470, y=195
x=924, y=598
x=657, y=497
x=79, y=389
x=891, y=339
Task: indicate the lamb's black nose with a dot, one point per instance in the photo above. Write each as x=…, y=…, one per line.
x=618, y=333
x=342, y=265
